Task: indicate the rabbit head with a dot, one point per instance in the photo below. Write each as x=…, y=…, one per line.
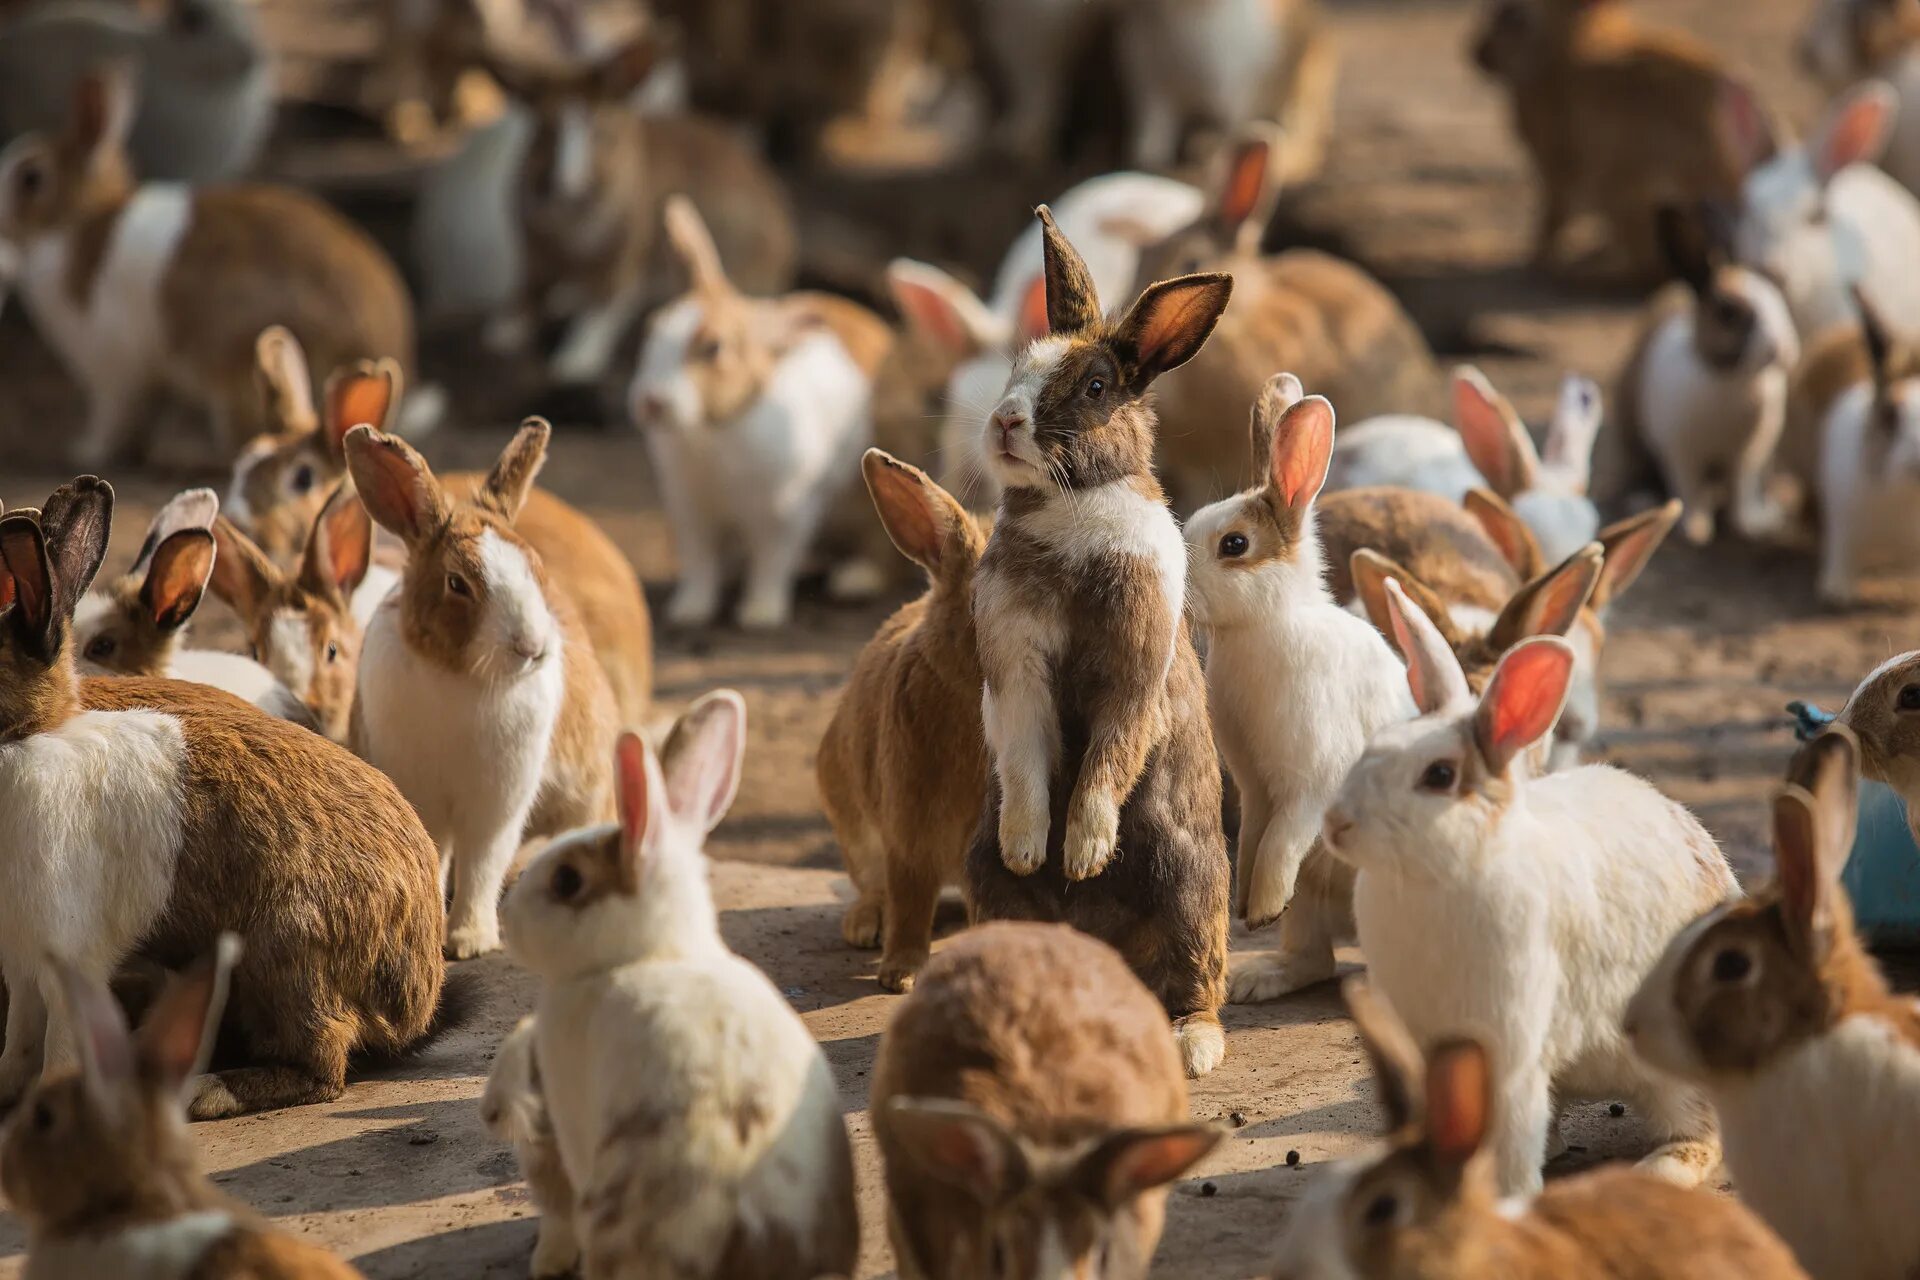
x=474, y=597
x=1741, y=323
x=1234, y=219
x=1250, y=553
x=1845, y=41
x=112, y=1137
x=1758, y=976
x=301, y=625
x=635, y=889
x=133, y=625
x=48, y=559
x=49, y=181
x=1427, y=797
x=1047, y=1212
x=1883, y=714
x=1074, y=413
x=282, y=478
x=1548, y=488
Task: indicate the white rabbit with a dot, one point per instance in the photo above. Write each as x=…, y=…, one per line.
x=692, y=1106
x=1488, y=447
x=1847, y=41
x=1523, y=911
x=1820, y=219
x=1870, y=467
x=1296, y=685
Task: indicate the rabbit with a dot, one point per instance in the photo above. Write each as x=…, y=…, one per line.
x=1847, y=41
x=302, y=626
x=143, y=286
x=1094, y=704
x=1324, y=318
x=98, y=1164
x=1820, y=219
x=1489, y=449
x=755, y=412
x=1525, y=910
x=1226, y=64
x=207, y=104
x=1029, y=1112
x=1773, y=1007
x=1617, y=118
x=1426, y=1205
x=723, y=1155
x=1705, y=389
x=515, y=1110
x=478, y=692
x=147, y=815
x=135, y=625
x=592, y=191
x=1296, y=686
x=1880, y=715
x=283, y=478
x=1440, y=543
x=902, y=768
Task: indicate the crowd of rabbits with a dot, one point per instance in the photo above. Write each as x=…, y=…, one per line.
x=1223, y=633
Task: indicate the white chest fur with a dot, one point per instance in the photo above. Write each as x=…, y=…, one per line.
x=156, y=1251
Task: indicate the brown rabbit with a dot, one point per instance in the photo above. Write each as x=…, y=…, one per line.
x=903, y=765
x=1618, y=118
x=142, y=287
x=1323, y=318
x=214, y=816
x=1094, y=706
x=1773, y=1006
x=1030, y=1112
x=1427, y=1205
x=98, y=1163
x=1435, y=540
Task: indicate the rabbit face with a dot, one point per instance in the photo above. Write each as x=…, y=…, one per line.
x=1417, y=790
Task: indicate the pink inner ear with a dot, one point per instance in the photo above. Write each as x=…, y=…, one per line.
x=930, y=310
x=1245, y=183
x=1302, y=448
x=1457, y=1081
x=630, y=769
x=1487, y=435
x=1857, y=136
x=6, y=586
x=1524, y=698
x=904, y=509
x=1796, y=859
x=1033, y=310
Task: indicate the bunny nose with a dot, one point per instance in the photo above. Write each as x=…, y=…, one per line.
x=1006, y=422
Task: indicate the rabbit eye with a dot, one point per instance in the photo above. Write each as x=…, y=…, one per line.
x=458, y=586
x=301, y=481
x=100, y=648
x=706, y=348
x=333, y=651
x=1439, y=776
x=1732, y=965
x=1910, y=698
x=567, y=882
x=1096, y=387
x=1233, y=546
x=1382, y=1209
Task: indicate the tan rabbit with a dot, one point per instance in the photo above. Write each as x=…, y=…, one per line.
x=1435, y=540
x=592, y=189
x=1772, y=1005
x=903, y=766
x=1617, y=117
x=1884, y=714
x=1323, y=318
x=98, y=1163
x=1030, y=1112
x=143, y=287
x=1427, y=1206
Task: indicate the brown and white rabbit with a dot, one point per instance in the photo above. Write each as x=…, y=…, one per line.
x=1321, y=317
x=1884, y=714
x=1617, y=117
x=152, y=814
x=283, y=478
x=1030, y=1112
x=1094, y=705
x=478, y=691
x=1439, y=542
x=1427, y=1204
x=1773, y=1007
x=903, y=765
x=98, y=1162
x=140, y=287
x=592, y=190
x=302, y=626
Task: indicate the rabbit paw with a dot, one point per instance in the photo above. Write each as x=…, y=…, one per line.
x=472, y=940
x=1093, y=834
x=693, y=605
x=211, y=1099
x=860, y=926
x=556, y=1252
x=763, y=612
x=1256, y=979
x=1202, y=1042
x=1023, y=841
x=1685, y=1164
x=897, y=974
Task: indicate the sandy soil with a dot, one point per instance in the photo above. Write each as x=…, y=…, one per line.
x=1427, y=189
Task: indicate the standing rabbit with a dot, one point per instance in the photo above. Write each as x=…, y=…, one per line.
x=755, y=413
x=1094, y=704
x=903, y=765
x=148, y=815
x=143, y=286
x=1523, y=910
x=1030, y=1112
x=1848, y=41
x=1428, y=1205
x=1296, y=686
x=694, y=1113
x=98, y=1163
x=1773, y=1007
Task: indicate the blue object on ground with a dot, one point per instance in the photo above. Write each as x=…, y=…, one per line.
x=1883, y=873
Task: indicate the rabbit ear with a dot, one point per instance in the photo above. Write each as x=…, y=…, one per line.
x=511, y=480
x=1551, y=603
x=960, y=1145
x=1856, y=132
x=944, y=311
x=1459, y=1102
x=642, y=797
x=191, y=509
x=687, y=232
x=1628, y=545
x=1828, y=769
x=1032, y=324
x=1808, y=881
x=99, y=1032
x=23, y=548
x=1371, y=572
x=1247, y=191
x=76, y=521
x=1397, y=1065
x=282, y=366
x=1746, y=126
x=340, y=547
x=176, y=1040
x=1073, y=304
x=364, y=393
x=1124, y=1165
x=703, y=757
x=1433, y=672
x=243, y=576
x=1512, y=535
x=1496, y=440
x=1301, y=453
x=396, y=485
x=1683, y=242
x=103, y=107
x=1574, y=428
x=1169, y=323
x=1523, y=700
x=177, y=577
x=1282, y=392
x=920, y=516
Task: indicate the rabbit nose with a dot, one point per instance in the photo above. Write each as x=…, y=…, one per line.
x=529, y=651
x=1006, y=422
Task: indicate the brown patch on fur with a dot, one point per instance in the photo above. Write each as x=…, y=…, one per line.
x=590, y=870
x=1435, y=540
x=130, y=644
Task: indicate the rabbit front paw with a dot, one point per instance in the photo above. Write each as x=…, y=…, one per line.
x=1093, y=834
x=1023, y=839
x=468, y=941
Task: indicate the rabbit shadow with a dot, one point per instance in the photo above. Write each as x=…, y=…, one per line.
x=484, y=1251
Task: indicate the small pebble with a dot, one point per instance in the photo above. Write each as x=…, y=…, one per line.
x=1238, y=1119
x=1208, y=1190
x=1293, y=1159
x=1616, y=1110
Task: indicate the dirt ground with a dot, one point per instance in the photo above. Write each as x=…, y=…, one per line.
x=1426, y=188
